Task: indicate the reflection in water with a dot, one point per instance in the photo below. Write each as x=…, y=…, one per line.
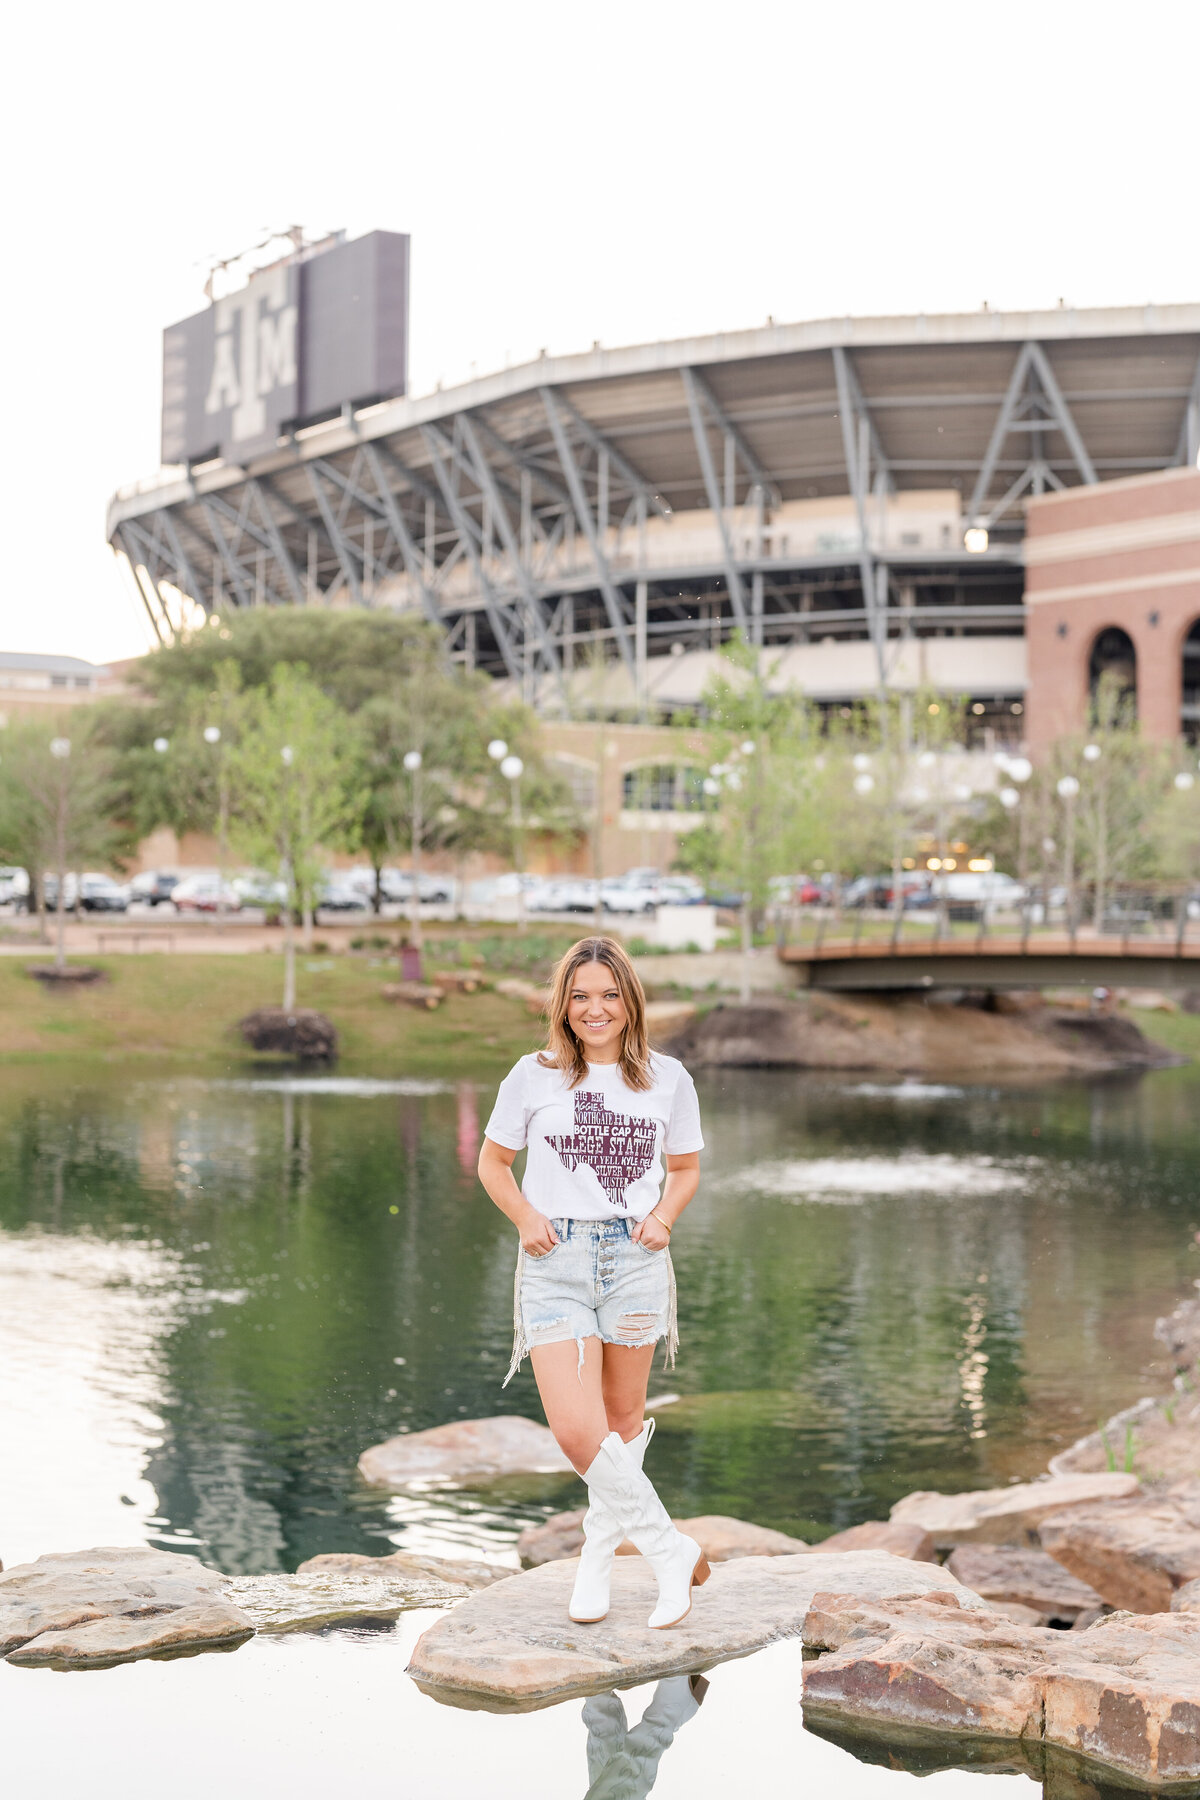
x=623, y=1763
x=986, y=1292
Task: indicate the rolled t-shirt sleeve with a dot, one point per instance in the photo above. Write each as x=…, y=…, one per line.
x=509, y=1123
x=683, y=1133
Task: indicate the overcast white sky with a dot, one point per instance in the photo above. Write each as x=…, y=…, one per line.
x=622, y=171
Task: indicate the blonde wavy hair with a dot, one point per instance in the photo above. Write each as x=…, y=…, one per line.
x=563, y=1049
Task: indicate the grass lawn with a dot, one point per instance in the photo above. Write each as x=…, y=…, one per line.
x=1177, y=1031
x=160, y=1008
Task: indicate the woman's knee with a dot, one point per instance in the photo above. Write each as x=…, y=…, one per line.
x=625, y=1418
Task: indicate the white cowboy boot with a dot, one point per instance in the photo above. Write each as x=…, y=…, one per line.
x=678, y=1561
x=602, y=1532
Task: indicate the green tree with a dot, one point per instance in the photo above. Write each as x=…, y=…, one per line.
x=60, y=805
x=295, y=792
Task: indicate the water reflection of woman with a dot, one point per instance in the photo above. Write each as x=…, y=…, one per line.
x=623, y=1764
x=595, y=1290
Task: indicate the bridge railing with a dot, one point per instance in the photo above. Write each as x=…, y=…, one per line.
x=1165, y=914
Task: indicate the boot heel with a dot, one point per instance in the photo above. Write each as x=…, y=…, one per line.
x=701, y=1572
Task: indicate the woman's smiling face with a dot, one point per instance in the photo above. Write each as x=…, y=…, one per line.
x=596, y=1012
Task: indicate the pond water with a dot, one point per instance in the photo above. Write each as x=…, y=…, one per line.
x=215, y=1293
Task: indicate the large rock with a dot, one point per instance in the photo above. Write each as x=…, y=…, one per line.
x=722, y=1539
x=306, y=1602
x=1135, y=1553
x=1029, y=1579
x=1159, y=1440
x=893, y=1535
x=513, y=1646
x=457, y=1571
x=300, y=1032
x=470, y=1450
x=75, y=1589
x=1123, y=1696
x=210, y=1625
x=1008, y=1515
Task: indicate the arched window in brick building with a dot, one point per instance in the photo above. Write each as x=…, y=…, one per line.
x=1113, y=654
x=1189, y=721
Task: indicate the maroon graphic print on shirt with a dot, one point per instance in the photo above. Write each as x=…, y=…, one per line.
x=617, y=1148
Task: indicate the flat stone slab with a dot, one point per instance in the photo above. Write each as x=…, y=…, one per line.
x=75, y=1589
x=912, y=1541
x=1008, y=1576
x=211, y=1625
x=470, y=1450
x=721, y=1538
x=1122, y=1697
x=513, y=1648
x=457, y=1571
x=1136, y=1553
x=275, y=1603
x=1008, y=1515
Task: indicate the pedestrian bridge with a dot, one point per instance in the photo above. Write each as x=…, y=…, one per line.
x=879, y=964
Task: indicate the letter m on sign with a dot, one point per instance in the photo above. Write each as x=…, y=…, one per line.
x=277, y=349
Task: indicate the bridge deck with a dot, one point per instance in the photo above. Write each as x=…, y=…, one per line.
x=877, y=963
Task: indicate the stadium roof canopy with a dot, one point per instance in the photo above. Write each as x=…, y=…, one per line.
x=634, y=497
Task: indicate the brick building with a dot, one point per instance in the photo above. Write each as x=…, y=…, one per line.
x=1113, y=582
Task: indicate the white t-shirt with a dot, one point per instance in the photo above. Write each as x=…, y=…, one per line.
x=595, y=1151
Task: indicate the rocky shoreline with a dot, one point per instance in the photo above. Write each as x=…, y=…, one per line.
x=976, y=1036
x=1050, y=1627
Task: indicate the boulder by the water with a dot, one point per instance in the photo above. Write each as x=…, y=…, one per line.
x=513, y=1647
x=1009, y=1515
x=303, y=1034
x=458, y=1572
x=469, y=1450
x=1136, y=1553
x=721, y=1539
x=1122, y=1697
x=906, y=1035
x=1009, y=1577
x=305, y=1602
x=912, y=1541
x=111, y=1605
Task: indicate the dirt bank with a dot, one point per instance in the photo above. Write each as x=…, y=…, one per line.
x=914, y=1036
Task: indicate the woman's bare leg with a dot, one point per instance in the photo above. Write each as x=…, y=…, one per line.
x=572, y=1397
x=624, y=1377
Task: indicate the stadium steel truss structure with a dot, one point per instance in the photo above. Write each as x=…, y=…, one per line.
x=623, y=504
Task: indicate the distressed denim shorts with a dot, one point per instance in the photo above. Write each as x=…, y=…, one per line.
x=598, y=1282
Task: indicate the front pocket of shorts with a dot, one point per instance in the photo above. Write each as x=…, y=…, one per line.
x=646, y=1252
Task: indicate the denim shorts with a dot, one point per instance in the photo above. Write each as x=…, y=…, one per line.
x=597, y=1282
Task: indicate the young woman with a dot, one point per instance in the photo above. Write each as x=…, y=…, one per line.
x=595, y=1289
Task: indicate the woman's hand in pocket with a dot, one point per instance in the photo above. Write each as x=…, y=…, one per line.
x=651, y=1234
x=537, y=1234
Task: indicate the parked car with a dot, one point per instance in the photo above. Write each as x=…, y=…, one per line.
x=153, y=887
x=257, y=889
x=14, y=888
x=91, y=892
x=340, y=896
x=623, y=894
x=205, y=894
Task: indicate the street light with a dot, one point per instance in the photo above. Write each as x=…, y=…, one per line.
x=412, y=766
x=1067, y=788
x=512, y=769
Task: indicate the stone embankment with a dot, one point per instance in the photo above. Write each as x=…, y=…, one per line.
x=914, y=1037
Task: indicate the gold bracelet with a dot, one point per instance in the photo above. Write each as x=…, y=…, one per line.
x=662, y=1222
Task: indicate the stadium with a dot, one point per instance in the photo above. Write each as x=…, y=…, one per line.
x=850, y=494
